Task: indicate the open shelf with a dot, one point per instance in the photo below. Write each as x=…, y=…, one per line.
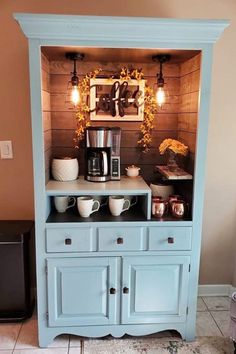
x=179, y=174
x=135, y=213
x=126, y=185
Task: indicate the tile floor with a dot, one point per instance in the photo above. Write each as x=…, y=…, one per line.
x=21, y=338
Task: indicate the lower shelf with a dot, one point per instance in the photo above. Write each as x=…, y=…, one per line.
x=72, y=215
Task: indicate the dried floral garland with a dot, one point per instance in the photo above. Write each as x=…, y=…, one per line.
x=150, y=106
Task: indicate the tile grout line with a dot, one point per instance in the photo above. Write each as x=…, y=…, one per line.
x=81, y=347
x=205, y=303
x=17, y=337
x=213, y=316
x=216, y=324
x=68, y=351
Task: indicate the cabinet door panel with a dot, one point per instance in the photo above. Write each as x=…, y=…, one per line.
x=157, y=289
x=79, y=291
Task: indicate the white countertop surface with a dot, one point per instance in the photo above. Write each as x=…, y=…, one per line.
x=126, y=185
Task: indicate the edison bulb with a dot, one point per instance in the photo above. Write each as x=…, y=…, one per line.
x=75, y=97
x=160, y=96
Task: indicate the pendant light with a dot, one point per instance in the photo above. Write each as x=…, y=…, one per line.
x=160, y=94
x=74, y=82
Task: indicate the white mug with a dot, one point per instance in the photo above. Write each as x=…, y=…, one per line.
x=64, y=203
x=118, y=204
x=87, y=205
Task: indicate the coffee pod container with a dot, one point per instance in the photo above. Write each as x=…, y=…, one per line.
x=65, y=169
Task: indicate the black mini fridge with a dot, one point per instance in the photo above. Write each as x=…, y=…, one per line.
x=16, y=300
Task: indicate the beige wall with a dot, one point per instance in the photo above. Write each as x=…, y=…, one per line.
x=16, y=186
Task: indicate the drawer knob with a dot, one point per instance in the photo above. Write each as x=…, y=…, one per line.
x=171, y=240
x=120, y=241
x=68, y=241
x=112, y=291
x=125, y=290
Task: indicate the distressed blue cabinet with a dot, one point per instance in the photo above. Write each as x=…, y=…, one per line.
x=90, y=291
x=79, y=291
x=119, y=276
x=155, y=289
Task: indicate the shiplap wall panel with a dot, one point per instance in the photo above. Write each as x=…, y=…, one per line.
x=46, y=112
x=162, y=121
x=64, y=122
x=150, y=69
x=189, y=99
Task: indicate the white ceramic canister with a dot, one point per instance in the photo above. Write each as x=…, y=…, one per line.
x=161, y=190
x=65, y=169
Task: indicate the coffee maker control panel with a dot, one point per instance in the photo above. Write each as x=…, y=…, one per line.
x=115, y=168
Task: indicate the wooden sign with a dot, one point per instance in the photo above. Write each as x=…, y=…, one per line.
x=116, y=100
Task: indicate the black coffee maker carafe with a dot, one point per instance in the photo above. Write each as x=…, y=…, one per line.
x=97, y=163
x=102, y=154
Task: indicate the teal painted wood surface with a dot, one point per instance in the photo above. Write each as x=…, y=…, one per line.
x=170, y=238
x=78, y=291
x=157, y=289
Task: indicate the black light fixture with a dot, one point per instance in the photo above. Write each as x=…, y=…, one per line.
x=74, y=82
x=160, y=94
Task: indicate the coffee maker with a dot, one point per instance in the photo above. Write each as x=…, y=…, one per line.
x=102, y=154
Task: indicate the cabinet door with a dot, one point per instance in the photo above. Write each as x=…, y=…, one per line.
x=155, y=289
x=79, y=291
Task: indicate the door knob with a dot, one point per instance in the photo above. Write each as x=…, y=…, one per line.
x=112, y=291
x=125, y=290
x=68, y=241
x=171, y=240
x=119, y=240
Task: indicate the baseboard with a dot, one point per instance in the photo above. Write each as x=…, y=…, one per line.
x=216, y=290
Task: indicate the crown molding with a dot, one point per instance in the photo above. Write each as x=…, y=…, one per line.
x=107, y=30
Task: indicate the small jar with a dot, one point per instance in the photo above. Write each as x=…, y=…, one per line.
x=132, y=171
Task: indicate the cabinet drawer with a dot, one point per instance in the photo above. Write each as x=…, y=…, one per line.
x=122, y=238
x=69, y=240
x=170, y=238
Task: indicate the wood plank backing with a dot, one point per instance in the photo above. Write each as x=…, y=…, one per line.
x=64, y=138
x=162, y=121
x=149, y=69
x=46, y=101
x=45, y=65
x=188, y=139
x=46, y=121
x=190, y=65
x=189, y=100
x=59, y=83
x=46, y=108
x=59, y=103
x=188, y=122
x=47, y=139
x=190, y=82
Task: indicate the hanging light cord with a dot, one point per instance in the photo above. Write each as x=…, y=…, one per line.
x=160, y=78
x=74, y=78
